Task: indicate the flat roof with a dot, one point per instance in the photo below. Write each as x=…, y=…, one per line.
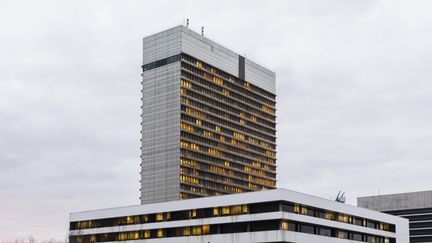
x=398, y=201
x=234, y=199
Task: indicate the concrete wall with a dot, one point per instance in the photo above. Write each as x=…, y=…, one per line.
x=161, y=104
x=160, y=169
x=392, y=202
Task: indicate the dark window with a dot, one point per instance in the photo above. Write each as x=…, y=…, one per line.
x=264, y=207
x=233, y=228
x=161, y=62
x=288, y=207
x=264, y=225
x=324, y=232
x=307, y=229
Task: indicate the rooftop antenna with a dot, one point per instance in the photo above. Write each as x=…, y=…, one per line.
x=340, y=197
x=202, y=30
x=187, y=23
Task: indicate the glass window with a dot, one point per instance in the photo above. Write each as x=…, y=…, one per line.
x=159, y=217
x=196, y=230
x=215, y=211
x=225, y=210
x=206, y=229
x=160, y=233
x=186, y=231
x=284, y=225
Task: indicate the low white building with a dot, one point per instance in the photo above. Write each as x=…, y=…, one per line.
x=266, y=216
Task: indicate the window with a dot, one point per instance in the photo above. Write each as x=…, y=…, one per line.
x=206, y=229
x=215, y=211
x=284, y=225
x=186, y=231
x=196, y=230
x=159, y=217
x=225, y=210
x=160, y=233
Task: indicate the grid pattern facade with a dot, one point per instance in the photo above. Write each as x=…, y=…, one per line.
x=414, y=206
x=273, y=224
x=420, y=223
x=227, y=133
x=262, y=216
x=205, y=130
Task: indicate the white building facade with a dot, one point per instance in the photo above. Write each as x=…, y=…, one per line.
x=266, y=216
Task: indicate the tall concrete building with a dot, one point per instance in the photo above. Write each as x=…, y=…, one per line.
x=415, y=206
x=208, y=119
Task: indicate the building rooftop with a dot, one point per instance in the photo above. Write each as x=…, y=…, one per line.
x=232, y=199
x=390, y=202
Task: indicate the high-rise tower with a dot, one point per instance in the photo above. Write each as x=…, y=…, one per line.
x=208, y=119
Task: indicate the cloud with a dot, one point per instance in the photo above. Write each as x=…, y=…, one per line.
x=353, y=97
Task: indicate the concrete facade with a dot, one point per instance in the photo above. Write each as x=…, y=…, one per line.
x=391, y=202
x=160, y=166
x=399, y=234
x=415, y=206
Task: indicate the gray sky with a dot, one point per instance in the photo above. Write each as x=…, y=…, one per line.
x=353, y=83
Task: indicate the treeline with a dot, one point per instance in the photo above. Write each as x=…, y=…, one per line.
x=31, y=239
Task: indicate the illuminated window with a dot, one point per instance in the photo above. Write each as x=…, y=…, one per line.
x=242, y=121
x=253, y=118
x=226, y=92
x=199, y=64
x=330, y=215
x=222, y=138
x=227, y=164
x=186, y=231
x=186, y=127
x=271, y=153
x=206, y=229
x=184, y=144
x=239, y=135
x=146, y=233
x=122, y=236
x=196, y=230
x=217, y=128
x=247, y=85
x=185, y=100
x=245, y=208
x=168, y=216
x=214, y=151
x=183, y=91
x=159, y=217
x=215, y=211
x=343, y=218
x=218, y=80
x=193, y=213
x=284, y=225
x=208, y=134
x=225, y=210
x=304, y=210
x=146, y=218
x=194, y=146
x=296, y=208
x=236, y=210
x=186, y=84
x=267, y=109
x=160, y=233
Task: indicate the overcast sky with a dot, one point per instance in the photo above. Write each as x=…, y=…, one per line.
x=353, y=84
